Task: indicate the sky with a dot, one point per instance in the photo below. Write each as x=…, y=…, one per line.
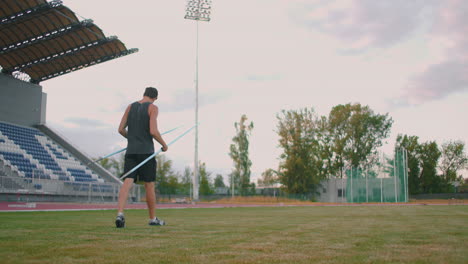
x=257, y=57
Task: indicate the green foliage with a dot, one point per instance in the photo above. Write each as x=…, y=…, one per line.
x=115, y=166
x=453, y=160
x=423, y=164
x=239, y=153
x=205, y=187
x=411, y=144
x=463, y=188
x=300, y=166
x=186, y=181
x=269, y=178
x=219, y=181
x=356, y=132
x=325, y=153
x=429, y=158
x=337, y=125
x=166, y=178
x=172, y=184
x=315, y=147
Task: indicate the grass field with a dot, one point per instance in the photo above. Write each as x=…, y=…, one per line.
x=341, y=234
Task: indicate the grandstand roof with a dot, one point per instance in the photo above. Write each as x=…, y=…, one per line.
x=46, y=39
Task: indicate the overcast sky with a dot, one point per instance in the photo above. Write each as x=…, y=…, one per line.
x=408, y=58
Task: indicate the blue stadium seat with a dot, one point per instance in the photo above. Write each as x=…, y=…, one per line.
x=43, y=151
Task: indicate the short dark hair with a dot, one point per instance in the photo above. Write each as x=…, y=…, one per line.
x=151, y=92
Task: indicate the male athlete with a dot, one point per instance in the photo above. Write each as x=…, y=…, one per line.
x=141, y=119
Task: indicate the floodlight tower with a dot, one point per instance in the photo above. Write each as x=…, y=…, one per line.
x=198, y=10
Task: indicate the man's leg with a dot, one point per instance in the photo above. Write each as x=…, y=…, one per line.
x=150, y=199
x=149, y=175
x=123, y=194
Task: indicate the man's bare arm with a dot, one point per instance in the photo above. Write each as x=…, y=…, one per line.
x=154, y=131
x=123, y=123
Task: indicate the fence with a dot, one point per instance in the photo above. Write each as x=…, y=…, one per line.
x=384, y=182
x=31, y=189
x=439, y=196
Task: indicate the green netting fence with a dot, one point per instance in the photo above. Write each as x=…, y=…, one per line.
x=387, y=182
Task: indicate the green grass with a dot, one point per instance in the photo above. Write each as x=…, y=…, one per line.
x=354, y=234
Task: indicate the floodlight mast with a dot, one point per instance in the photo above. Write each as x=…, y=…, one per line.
x=198, y=10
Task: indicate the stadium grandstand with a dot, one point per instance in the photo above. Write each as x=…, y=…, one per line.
x=40, y=40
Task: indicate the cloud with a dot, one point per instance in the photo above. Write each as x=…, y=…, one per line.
x=451, y=27
x=451, y=74
x=84, y=123
x=438, y=81
x=185, y=99
x=366, y=23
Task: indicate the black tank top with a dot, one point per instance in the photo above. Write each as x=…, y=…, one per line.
x=139, y=138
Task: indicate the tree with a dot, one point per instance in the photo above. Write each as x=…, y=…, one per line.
x=429, y=158
x=172, y=184
x=423, y=160
x=269, y=178
x=205, y=185
x=325, y=148
x=356, y=133
x=186, y=181
x=219, y=181
x=337, y=125
x=115, y=166
x=454, y=159
x=463, y=188
x=413, y=148
x=164, y=174
x=239, y=153
x=300, y=163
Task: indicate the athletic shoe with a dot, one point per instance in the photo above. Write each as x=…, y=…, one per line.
x=157, y=222
x=120, y=221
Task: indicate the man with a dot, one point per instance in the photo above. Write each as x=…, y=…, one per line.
x=141, y=119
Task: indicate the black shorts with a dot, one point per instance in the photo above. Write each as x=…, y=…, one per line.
x=146, y=173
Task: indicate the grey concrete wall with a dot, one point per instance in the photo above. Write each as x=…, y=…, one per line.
x=42, y=121
x=328, y=192
x=21, y=102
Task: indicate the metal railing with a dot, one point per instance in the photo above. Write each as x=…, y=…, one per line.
x=55, y=190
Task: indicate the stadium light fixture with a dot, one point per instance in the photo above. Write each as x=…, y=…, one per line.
x=198, y=10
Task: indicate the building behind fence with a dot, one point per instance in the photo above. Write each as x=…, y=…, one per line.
x=384, y=182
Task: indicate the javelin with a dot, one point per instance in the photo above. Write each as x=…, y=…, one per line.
x=118, y=151
x=156, y=153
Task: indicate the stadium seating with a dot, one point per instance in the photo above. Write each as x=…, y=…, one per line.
x=32, y=154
